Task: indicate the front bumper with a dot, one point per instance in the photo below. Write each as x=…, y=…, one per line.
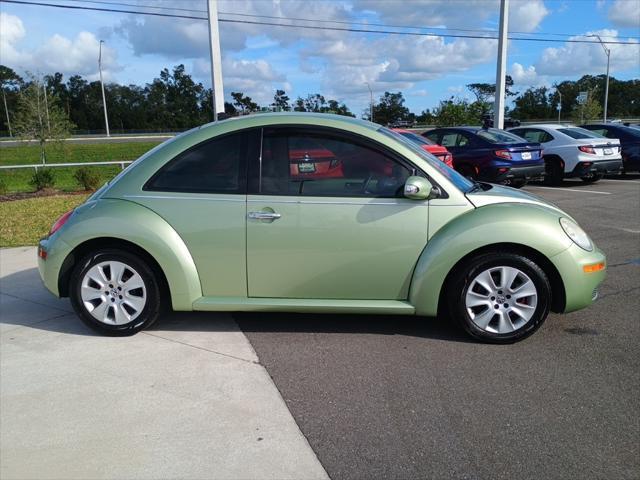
x=580, y=287
x=526, y=173
x=602, y=167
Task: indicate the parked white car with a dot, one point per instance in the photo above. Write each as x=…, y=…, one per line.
x=571, y=151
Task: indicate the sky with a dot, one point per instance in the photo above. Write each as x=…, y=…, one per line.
x=258, y=59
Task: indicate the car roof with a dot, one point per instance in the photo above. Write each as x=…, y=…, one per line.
x=293, y=118
x=552, y=126
x=466, y=128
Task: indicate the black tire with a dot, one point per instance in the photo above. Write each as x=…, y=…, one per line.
x=463, y=279
x=592, y=179
x=518, y=183
x=150, y=293
x=554, y=172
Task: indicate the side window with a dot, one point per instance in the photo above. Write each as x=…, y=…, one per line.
x=433, y=136
x=214, y=166
x=452, y=139
x=310, y=164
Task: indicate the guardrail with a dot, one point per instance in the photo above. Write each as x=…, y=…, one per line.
x=36, y=166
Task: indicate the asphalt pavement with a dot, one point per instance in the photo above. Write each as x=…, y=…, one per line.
x=413, y=398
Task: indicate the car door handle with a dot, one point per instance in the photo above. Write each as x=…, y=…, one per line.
x=264, y=215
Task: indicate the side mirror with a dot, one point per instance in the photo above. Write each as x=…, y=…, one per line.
x=418, y=188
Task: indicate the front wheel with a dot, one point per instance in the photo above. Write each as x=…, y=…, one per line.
x=115, y=293
x=499, y=297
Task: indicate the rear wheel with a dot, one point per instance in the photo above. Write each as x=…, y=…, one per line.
x=499, y=297
x=554, y=172
x=114, y=292
x=592, y=178
x=518, y=183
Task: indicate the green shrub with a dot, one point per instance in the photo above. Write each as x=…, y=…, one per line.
x=3, y=186
x=87, y=178
x=42, y=178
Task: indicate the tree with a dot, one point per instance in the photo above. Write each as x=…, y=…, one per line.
x=390, y=109
x=534, y=103
x=590, y=110
x=10, y=82
x=486, y=92
x=456, y=111
x=244, y=103
x=281, y=101
x=35, y=121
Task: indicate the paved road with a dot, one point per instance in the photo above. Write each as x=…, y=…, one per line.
x=405, y=398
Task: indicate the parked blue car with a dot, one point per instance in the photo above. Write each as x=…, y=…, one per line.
x=629, y=137
x=491, y=154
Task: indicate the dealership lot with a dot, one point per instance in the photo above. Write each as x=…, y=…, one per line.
x=401, y=397
x=375, y=396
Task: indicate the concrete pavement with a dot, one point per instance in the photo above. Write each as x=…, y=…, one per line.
x=188, y=399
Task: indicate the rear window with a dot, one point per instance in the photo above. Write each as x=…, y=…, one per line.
x=579, y=133
x=493, y=135
x=417, y=138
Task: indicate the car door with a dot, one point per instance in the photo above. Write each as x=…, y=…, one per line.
x=201, y=193
x=347, y=236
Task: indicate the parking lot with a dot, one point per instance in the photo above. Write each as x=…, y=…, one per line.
x=375, y=396
x=402, y=397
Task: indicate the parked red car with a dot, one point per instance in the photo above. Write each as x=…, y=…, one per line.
x=433, y=148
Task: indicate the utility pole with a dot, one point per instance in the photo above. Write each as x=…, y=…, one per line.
x=216, y=60
x=370, y=102
x=559, y=103
x=498, y=108
x=4, y=97
x=104, y=100
x=607, y=51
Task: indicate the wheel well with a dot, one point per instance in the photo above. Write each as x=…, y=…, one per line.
x=558, y=295
x=554, y=158
x=78, y=253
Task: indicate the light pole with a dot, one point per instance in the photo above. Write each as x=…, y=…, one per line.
x=217, y=92
x=607, y=51
x=501, y=70
x=104, y=101
x=370, y=102
x=559, y=103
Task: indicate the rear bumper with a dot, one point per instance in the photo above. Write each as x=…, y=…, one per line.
x=526, y=173
x=602, y=167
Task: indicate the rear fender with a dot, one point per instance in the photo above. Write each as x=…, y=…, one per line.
x=122, y=219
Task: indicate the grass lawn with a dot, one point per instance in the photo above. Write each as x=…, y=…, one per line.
x=24, y=222
x=18, y=180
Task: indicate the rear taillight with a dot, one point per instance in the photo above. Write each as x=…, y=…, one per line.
x=60, y=222
x=506, y=154
x=448, y=160
x=587, y=149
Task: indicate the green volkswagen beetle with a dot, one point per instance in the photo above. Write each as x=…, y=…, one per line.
x=315, y=213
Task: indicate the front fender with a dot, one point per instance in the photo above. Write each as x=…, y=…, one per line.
x=533, y=226
x=134, y=223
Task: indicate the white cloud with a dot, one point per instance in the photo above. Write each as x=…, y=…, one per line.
x=589, y=58
x=56, y=54
x=524, y=15
x=255, y=78
x=526, y=75
x=625, y=13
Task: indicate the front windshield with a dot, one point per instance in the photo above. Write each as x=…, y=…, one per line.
x=493, y=135
x=579, y=133
x=454, y=177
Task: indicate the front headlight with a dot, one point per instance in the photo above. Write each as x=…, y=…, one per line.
x=575, y=233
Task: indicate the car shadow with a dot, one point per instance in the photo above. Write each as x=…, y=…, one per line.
x=26, y=303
